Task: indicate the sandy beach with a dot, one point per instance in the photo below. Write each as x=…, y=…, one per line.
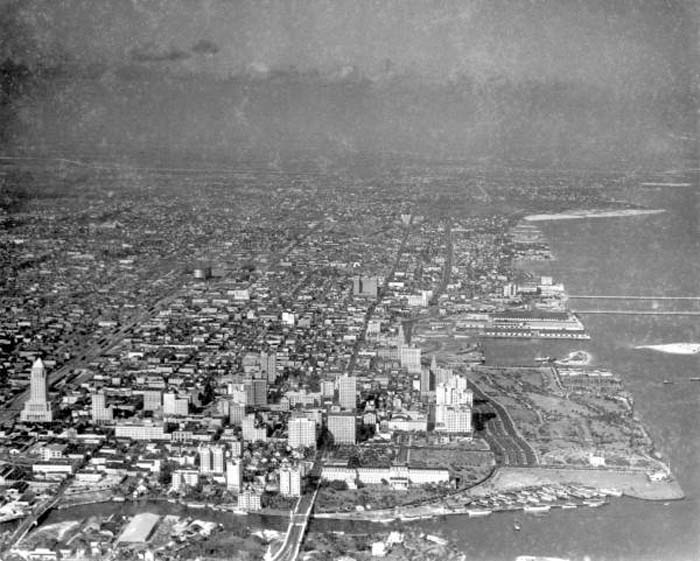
x=579, y=214
x=674, y=348
x=634, y=484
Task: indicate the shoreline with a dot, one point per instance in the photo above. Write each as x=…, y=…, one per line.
x=631, y=484
x=581, y=214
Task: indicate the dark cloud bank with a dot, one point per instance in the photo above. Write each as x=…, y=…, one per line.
x=568, y=83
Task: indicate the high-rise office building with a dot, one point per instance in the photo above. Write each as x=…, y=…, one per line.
x=100, y=412
x=236, y=413
x=290, y=482
x=250, y=432
x=249, y=500
x=347, y=392
x=327, y=388
x=37, y=409
x=256, y=392
x=175, y=405
x=234, y=475
x=268, y=365
x=152, y=400
x=426, y=381
x=236, y=448
x=410, y=358
x=204, y=459
x=302, y=433
x=342, y=427
x=365, y=286
x=217, y=459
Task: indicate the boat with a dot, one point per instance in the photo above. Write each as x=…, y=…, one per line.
x=695, y=378
x=667, y=381
x=477, y=512
x=516, y=526
x=567, y=506
x=594, y=502
x=536, y=508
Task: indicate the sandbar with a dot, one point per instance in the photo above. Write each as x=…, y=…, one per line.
x=579, y=214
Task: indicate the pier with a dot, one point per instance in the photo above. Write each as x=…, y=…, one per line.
x=638, y=312
x=594, y=297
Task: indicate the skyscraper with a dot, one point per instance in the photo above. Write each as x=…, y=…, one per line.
x=100, y=412
x=37, y=409
x=217, y=459
x=342, y=427
x=302, y=433
x=204, y=459
x=347, y=392
x=290, y=482
x=268, y=365
x=234, y=475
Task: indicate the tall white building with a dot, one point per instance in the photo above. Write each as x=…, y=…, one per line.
x=343, y=428
x=409, y=357
x=250, y=432
x=290, y=482
x=236, y=412
x=347, y=392
x=249, y=500
x=234, y=475
x=152, y=400
x=217, y=459
x=453, y=420
x=302, y=433
x=184, y=477
x=37, y=409
x=268, y=365
x=204, y=459
x=100, y=412
x=175, y=405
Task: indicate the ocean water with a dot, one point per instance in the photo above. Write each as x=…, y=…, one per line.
x=647, y=255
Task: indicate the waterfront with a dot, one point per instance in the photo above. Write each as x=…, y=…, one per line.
x=630, y=255
x=640, y=255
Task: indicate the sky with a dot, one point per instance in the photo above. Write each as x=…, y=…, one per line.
x=616, y=54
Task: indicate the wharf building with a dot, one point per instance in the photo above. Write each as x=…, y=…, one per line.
x=37, y=408
x=399, y=477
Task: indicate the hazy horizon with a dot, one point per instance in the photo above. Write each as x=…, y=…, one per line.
x=555, y=83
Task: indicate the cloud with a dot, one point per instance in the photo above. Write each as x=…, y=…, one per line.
x=154, y=53
x=205, y=47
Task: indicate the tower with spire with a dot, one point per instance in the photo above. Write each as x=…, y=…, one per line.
x=37, y=408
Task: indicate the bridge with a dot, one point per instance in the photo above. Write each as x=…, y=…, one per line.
x=638, y=312
x=298, y=522
x=608, y=297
